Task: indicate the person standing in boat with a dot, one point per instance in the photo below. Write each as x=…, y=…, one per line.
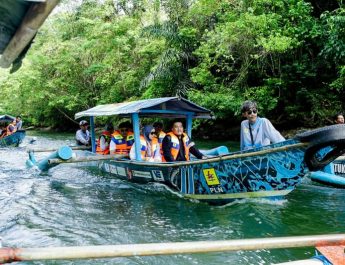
x=19, y=122
x=256, y=131
x=158, y=126
x=177, y=145
x=82, y=136
x=150, y=150
x=339, y=118
x=122, y=139
x=104, y=139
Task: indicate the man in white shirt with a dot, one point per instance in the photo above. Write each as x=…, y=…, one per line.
x=256, y=131
x=82, y=136
x=19, y=122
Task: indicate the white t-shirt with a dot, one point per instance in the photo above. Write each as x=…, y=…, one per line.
x=263, y=134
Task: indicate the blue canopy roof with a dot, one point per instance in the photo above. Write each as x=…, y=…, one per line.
x=170, y=107
x=6, y=118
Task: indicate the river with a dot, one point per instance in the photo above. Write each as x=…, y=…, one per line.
x=73, y=205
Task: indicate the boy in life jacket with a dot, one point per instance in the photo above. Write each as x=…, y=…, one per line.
x=149, y=146
x=122, y=139
x=104, y=139
x=177, y=145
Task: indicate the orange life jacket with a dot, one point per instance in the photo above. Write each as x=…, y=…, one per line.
x=129, y=140
x=123, y=146
x=144, y=148
x=175, y=148
x=8, y=131
x=107, y=137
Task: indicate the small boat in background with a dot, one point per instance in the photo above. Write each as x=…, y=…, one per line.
x=14, y=139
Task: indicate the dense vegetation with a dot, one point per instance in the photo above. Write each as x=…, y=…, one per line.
x=287, y=55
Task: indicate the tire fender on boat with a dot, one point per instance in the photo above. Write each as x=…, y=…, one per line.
x=332, y=136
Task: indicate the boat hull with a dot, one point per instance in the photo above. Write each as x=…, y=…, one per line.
x=14, y=139
x=263, y=173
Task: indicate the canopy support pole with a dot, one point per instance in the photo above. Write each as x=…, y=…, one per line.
x=189, y=119
x=93, y=135
x=136, y=129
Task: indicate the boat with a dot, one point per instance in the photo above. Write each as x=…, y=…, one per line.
x=14, y=139
x=271, y=171
x=332, y=175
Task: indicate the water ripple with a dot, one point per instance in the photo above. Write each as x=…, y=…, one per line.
x=75, y=205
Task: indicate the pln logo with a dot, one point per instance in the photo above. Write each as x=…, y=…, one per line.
x=211, y=176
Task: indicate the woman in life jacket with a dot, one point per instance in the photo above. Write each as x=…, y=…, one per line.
x=104, y=139
x=149, y=146
x=11, y=128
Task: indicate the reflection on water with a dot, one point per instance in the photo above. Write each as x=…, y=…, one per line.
x=74, y=206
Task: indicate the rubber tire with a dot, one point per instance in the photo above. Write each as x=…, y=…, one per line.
x=327, y=136
x=324, y=134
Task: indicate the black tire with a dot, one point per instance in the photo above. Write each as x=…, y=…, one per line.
x=324, y=134
x=314, y=163
x=333, y=136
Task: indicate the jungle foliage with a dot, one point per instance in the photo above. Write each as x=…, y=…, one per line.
x=289, y=56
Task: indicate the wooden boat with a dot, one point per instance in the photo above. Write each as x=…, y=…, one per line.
x=14, y=139
x=269, y=171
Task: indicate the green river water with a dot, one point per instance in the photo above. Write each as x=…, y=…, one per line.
x=72, y=205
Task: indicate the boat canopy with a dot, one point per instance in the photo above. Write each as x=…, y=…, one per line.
x=6, y=118
x=168, y=107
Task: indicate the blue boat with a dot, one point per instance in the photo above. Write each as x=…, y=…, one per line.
x=332, y=175
x=14, y=139
x=269, y=171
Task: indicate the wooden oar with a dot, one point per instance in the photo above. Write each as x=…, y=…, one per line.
x=112, y=251
x=54, y=149
x=85, y=159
